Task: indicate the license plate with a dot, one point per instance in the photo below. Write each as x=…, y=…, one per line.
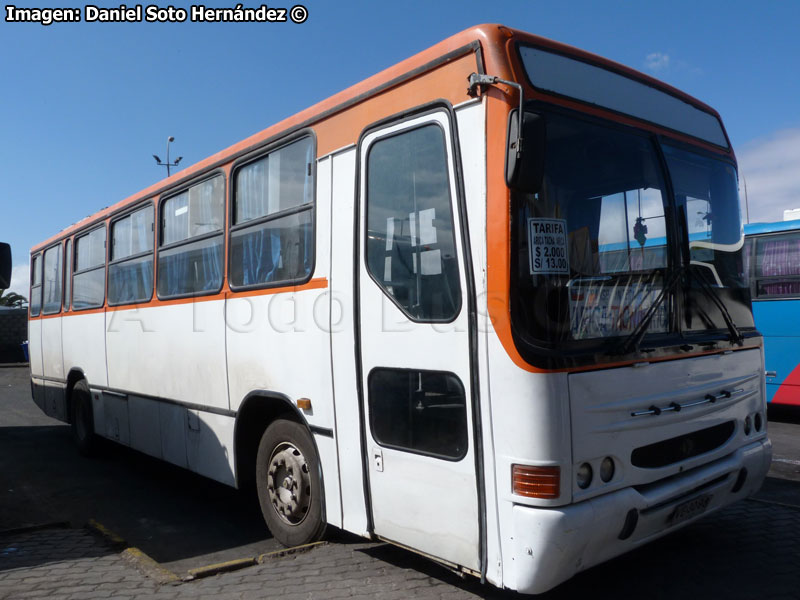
x=690, y=508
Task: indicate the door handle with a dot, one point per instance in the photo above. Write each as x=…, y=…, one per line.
x=377, y=459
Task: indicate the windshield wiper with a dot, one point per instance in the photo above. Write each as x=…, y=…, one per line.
x=635, y=337
x=633, y=340
x=736, y=335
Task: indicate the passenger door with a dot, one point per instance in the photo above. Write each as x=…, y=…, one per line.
x=414, y=341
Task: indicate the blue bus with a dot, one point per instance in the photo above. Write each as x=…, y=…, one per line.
x=772, y=259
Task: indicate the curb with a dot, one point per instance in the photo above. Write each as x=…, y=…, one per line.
x=109, y=536
x=242, y=563
x=149, y=567
x=162, y=575
x=289, y=551
x=139, y=559
x=223, y=567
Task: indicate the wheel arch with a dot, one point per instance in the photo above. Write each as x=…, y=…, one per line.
x=75, y=375
x=258, y=410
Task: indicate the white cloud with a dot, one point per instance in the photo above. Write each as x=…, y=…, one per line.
x=660, y=64
x=656, y=62
x=19, y=280
x=770, y=167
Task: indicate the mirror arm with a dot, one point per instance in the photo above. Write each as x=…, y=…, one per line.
x=476, y=80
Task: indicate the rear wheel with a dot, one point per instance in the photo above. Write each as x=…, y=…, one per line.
x=289, y=484
x=83, y=419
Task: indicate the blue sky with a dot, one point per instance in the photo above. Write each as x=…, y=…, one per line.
x=84, y=106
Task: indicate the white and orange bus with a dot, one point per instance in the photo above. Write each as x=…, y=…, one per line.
x=455, y=307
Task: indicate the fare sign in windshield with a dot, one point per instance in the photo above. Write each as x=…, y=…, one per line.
x=547, y=246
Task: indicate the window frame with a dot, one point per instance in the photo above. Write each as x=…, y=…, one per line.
x=76, y=237
x=59, y=251
x=158, y=234
x=753, y=274
x=66, y=297
x=32, y=276
x=396, y=127
x=309, y=206
x=111, y=261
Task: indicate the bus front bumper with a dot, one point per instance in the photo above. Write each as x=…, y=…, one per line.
x=552, y=545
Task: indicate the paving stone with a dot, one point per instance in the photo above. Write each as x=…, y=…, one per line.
x=747, y=551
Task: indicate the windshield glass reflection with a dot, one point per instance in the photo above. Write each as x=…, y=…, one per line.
x=592, y=250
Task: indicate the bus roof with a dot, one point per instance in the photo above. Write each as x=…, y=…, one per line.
x=754, y=228
x=490, y=41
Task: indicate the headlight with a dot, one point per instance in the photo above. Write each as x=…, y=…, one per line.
x=607, y=469
x=584, y=476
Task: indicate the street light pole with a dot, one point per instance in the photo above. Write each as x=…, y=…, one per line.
x=168, y=164
x=169, y=139
x=746, y=203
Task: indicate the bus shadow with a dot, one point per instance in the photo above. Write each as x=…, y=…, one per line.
x=746, y=551
x=783, y=413
x=180, y=519
x=40, y=547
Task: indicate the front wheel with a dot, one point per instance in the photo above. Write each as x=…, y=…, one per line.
x=83, y=419
x=289, y=484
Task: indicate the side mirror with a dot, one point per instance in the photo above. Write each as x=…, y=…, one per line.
x=5, y=266
x=525, y=164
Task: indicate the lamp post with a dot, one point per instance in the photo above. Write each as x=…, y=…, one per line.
x=746, y=203
x=168, y=164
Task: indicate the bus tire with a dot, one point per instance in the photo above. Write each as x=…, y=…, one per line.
x=289, y=484
x=83, y=420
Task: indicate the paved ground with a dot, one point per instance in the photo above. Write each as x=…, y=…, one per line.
x=749, y=550
x=181, y=519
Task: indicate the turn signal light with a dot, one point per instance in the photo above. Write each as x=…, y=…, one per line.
x=535, y=482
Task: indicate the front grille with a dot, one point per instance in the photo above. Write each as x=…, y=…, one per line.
x=682, y=447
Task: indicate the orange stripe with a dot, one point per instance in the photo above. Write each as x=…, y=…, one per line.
x=314, y=284
x=446, y=82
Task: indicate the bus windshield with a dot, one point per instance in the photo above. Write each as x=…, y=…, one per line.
x=707, y=203
x=592, y=250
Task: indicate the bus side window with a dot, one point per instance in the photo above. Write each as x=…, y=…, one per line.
x=36, y=285
x=272, y=234
x=747, y=252
x=777, y=269
x=130, y=272
x=191, y=244
x=88, y=282
x=52, y=280
x=410, y=246
x=419, y=411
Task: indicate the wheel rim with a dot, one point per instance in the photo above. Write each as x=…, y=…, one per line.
x=289, y=483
